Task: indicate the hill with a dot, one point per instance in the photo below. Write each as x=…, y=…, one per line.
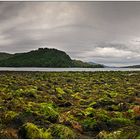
x=79, y=63
x=5, y=55
x=134, y=66
x=43, y=57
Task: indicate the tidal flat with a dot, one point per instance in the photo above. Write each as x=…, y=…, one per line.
x=68, y=105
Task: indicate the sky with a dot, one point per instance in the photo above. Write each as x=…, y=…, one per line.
x=102, y=32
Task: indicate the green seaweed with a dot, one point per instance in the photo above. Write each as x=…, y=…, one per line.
x=86, y=104
x=60, y=131
x=31, y=131
x=49, y=111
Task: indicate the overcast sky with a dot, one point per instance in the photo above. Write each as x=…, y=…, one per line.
x=102, y=32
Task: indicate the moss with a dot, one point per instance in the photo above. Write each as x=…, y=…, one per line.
x=31, y=131
x=60, y=131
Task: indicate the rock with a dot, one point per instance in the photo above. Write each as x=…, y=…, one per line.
x=77, y=126
x=8, y=133
x=136, y=110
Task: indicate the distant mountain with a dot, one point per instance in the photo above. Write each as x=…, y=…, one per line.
x=92, y=63
x=96, y=65
x=43, y=57
x=78, y=63
x=134, y=66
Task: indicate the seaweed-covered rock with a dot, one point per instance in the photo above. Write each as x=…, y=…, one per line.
x=28, y=92
x=129, y=132
x=60, y=131
x=69, y=119
x=105, y=101
x=136, y=110
x=10, y=115
x=24, y=117
x=119, y=122
x=49, y=110
x=123, y=106
x=112, y=108
x=89, y=124
x=89, y=112
x=31, y=131
x=8, y=133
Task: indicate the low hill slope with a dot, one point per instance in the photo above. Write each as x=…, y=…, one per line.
x=43, y=57
x=5, y=55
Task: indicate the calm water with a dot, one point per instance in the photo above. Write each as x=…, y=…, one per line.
x=66, y=69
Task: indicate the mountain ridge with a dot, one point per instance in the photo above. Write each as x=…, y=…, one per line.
x=133, y=66
x=42, y=57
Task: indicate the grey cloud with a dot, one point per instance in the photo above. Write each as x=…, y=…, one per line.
x=103, y=32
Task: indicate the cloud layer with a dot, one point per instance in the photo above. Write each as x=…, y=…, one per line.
x=102, y=32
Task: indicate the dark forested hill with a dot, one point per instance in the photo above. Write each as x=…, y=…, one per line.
x=43, y=57
x=5, y=55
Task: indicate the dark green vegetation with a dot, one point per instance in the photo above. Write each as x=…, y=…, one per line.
x=42, y=58
x=70, y=105
x=4, y=56
x=134, y=66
